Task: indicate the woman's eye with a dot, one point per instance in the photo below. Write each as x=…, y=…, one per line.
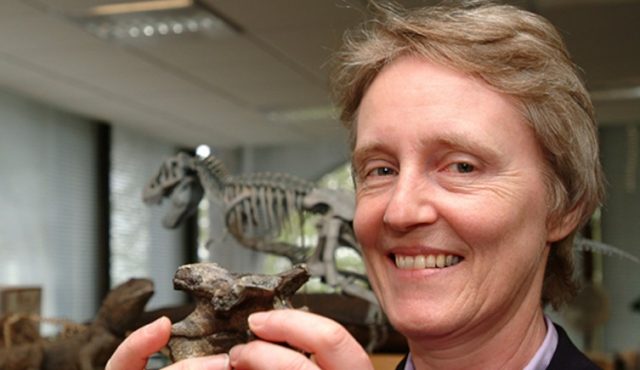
x=462, y=167
x=382, y=171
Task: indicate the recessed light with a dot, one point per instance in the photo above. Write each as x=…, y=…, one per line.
x=138, y=6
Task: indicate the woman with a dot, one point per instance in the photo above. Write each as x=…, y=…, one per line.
x=475, y=162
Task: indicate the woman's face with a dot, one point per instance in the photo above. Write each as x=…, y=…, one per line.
x=451, y=201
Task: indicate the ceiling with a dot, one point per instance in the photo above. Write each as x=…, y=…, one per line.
x=263, y=80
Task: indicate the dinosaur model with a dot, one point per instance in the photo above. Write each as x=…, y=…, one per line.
x=224, y=301
x=90, y=347
x=257, y=208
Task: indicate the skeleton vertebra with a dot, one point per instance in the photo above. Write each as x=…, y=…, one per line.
x=224, y=301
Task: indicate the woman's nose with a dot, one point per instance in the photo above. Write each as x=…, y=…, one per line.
x=410, y=203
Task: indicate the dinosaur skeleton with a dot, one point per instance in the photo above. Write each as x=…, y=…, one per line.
x=258, y=207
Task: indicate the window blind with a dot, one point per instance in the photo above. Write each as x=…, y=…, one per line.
x=140, y=246
x=48, y=205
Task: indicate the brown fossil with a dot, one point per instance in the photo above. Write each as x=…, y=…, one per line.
x=224, y=301
x=89, y=346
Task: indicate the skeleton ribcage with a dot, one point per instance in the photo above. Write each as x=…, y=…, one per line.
x=260, y=205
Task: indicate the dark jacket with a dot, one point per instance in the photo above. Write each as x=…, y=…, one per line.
x=566, y=356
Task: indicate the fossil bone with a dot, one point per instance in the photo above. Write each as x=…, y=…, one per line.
x=224, y=301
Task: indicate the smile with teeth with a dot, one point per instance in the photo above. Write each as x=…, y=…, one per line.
x=426, y=261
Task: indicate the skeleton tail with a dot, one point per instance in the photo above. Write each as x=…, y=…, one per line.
x=584, y=244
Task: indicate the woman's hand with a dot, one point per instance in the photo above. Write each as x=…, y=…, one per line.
x=135, y=350
x=330, y=345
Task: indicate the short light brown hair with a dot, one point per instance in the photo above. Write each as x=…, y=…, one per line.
x=515, y=52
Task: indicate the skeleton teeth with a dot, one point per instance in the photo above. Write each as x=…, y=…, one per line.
x=426, y=261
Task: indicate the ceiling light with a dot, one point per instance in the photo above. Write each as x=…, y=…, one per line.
x=157, y=23
x=203, y=150
x=138, y=6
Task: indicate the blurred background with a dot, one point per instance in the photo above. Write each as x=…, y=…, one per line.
x=95, y=94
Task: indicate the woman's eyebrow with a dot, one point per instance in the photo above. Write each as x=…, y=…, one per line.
x=457, y=141
x=360, y=153
x=462, y=142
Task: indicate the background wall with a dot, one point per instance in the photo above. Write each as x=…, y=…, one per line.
x=621, y=227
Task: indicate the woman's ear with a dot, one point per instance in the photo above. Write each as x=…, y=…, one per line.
x=562, y=226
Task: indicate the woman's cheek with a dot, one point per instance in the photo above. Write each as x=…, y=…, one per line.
x=364, y=222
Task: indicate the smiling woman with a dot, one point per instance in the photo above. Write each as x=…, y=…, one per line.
x=490, y=217
x=510, y=51
x=475, y=146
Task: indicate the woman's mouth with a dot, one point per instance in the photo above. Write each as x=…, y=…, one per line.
x=428, y=261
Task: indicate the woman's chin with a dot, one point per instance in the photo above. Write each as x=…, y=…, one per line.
x=414, y=324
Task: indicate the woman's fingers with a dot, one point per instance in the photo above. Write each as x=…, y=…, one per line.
x=261, y=355
x=330, y=343
x=217, y=362
x=133, y=352
x=332, y=346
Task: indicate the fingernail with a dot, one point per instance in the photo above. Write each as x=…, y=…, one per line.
x=234, y=354
x=149, y=329
x=218, y=362
x=257, y=319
